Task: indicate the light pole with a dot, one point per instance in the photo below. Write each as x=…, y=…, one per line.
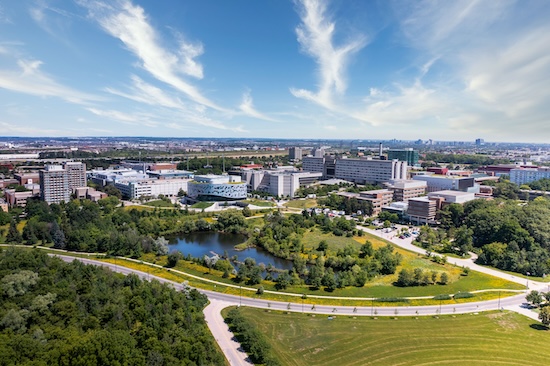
x=240, y=295
x=499, y=300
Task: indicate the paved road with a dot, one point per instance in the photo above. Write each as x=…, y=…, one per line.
x=232, y=349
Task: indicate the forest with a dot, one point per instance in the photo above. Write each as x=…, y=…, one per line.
x=507, y=234
x=57, y=313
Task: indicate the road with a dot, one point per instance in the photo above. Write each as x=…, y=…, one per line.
x=236, y=356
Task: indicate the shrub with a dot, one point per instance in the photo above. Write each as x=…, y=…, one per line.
x=463, y=295
x=392, y=299
x=442, y=297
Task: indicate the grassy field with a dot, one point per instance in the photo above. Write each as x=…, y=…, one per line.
x=485, y=339
x=260, y=203
x=202, y=204
x=159, y=203
x=307, y=203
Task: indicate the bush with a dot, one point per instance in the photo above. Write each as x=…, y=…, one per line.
x=260, y=290
x=463, y=295
x=392, y=299
x=173, y=259
x=442, y=297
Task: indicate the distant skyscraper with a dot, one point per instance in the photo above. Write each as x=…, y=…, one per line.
x=480, y=142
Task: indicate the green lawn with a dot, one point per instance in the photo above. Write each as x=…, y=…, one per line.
x=492, y=338
x=159, y=203
x=260, y=203
x=307, y=203
x=202, y=204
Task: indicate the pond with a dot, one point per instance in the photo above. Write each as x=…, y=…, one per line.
x=209, y=242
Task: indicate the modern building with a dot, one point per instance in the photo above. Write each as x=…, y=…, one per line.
x=408, y=155
x=278, y=183
x=54, y=187
x=137, y=188
x=27, y=178
x=216, y=188
x=110, y=176
x=445, y=182
x=528, y=175
x=313, y=164
x=403, y=190
x=295, y=154
x=88, y=193
x=170, y=174
x=370, y=171
x=453, y=196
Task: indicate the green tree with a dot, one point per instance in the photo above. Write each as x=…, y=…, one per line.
x=544, y=315
x=534, y=297
x=13, y=234
x=173, y=259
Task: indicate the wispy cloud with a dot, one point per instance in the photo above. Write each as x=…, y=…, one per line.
x=247, y=107
x=130, y=24
x=29, y=79
x=127, y=118
x=17, y=129
x=315, y=35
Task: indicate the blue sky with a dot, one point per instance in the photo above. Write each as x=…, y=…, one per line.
x=354, y=69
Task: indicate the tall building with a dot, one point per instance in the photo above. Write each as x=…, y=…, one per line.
x=54, y=184
x=408, y=155
x=77, y=174
x=295, y=154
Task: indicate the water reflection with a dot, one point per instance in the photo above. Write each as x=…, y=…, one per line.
x=200, y=243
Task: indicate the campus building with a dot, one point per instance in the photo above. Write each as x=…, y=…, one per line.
x=408, y=155
x=216, y=188
x=54, y=187
x=403, y=190
x=370, y=171
x=527, y=175
x=295, y=154
x=445, y=182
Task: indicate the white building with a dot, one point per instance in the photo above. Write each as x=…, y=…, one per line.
x=54, y=184
x=216, y=188
x=370, y=171
x=446, y=182
x=453, y=196
x=133, y=189
x=528, y=175
x=403, y=190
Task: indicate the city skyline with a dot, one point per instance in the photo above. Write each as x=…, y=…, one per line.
x=281, y=69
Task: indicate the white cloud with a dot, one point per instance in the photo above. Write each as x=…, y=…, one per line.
x=18, y=129
x=31, y=80
x=315, y=36
x=131, y=26
x=247, y=106
x=127, y=118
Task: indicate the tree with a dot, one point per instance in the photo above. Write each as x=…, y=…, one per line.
x=444, y=278
x=111, y=190
x=405, y=278
x=544, y=315
x=58, y=236
x=323, y=246
x=161, y=246
x=247, y=212
x=534, y=297
x=173, y=259
x=14, y=236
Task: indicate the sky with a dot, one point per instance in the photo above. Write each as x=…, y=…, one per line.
x=305, y=69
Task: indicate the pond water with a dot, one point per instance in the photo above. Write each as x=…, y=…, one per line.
x=209, y=242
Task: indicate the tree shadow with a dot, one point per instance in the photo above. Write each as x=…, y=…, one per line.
x=539, y=327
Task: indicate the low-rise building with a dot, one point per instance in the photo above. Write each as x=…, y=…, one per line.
x=403, y=190
x=216, y=188
x=135, y=189
x=445, y=182
x=17, y=199
x=378, y=198
x=527, y=175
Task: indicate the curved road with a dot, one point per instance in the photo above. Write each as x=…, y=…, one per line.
x=236, y=356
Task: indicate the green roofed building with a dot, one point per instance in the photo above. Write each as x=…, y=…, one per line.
x=408, y=155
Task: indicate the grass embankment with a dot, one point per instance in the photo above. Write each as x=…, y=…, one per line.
x=260, y=203
x=202, y=205
x=307, y=203
x=484, y=339
x=159, y=203
x=224, y=286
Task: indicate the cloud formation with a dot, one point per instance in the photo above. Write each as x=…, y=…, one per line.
x=247, y=107
x=29, y=79
x=315, y=35
x=130, y=24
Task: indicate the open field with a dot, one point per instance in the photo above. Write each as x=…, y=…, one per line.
x=260, y=203
x=159, y=203
x=307, y=203
x=202, y=205
x=492, y=338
